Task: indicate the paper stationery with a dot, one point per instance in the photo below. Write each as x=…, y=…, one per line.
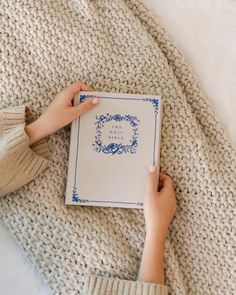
x=111, y=148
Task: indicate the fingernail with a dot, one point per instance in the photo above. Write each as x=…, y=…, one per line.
x=95, y=100
x=152, y=168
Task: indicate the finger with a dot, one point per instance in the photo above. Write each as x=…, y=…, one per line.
x=164, y=177
x=74, y=88
x=166, y=181
x=152, y=180
x=78, y=86
x=85, y=106
x=85, y=87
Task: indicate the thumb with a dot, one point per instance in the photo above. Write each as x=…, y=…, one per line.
x=74, y=88
x=152, y=180
x=85, y=106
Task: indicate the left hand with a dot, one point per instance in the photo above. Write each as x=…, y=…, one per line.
x=159, y=206
x=60, y=112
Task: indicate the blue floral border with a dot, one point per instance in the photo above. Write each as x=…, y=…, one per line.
x=75, y=197
x=154, y=101
x=84, y=97
x=116, y=148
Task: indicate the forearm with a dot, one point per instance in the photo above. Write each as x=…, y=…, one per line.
x=40, y=128
x=34, y=132
x=152, y=263
x=19, y=163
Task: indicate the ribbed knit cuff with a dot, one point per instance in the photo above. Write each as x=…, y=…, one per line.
x=19, y=162
x=96, y=285
x=16, y=118
x=41, y=147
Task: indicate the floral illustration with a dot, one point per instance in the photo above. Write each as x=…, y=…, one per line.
x=155, y=103
x=116, y=148
x=76, y=198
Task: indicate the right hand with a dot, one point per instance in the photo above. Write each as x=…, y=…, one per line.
x=60, y=112
x=159, y=206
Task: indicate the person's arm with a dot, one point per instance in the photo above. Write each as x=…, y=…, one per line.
x=152, y=264
x=60, y=112
x=159, y=209
x=24, y=151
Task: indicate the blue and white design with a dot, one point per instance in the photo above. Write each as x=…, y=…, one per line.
x=155, y=103
x=76, y=198
x=102, y=144
x=116, y=148
x=84, y=97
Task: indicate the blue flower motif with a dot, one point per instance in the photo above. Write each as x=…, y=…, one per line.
x=116, y=148
x=112, y=148
x=155, y=103
x=117, y=117
x=140, y=204
x=76, y=198
x=84, y=97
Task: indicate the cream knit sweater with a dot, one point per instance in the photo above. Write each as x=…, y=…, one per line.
x=116, y=46
x=20, y=163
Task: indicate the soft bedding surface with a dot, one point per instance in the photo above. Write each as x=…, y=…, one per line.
x=176, y=273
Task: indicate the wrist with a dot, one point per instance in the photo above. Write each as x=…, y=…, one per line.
x=34, y=132
x=155, y=238
x=156, y=231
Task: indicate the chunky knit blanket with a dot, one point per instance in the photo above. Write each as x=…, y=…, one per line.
x=116, y=46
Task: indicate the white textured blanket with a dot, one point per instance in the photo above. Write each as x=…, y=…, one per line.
x=117, y=46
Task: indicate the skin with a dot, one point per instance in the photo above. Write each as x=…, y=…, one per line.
x=60, y=112
x=159, y=206
x=159, y=210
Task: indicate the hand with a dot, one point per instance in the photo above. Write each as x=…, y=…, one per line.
x=60, y=112
x=159, y=207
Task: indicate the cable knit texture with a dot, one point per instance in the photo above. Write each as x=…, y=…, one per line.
x=116, y=46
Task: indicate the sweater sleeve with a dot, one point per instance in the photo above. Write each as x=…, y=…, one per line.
x=19, y=162
x=96, y=285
